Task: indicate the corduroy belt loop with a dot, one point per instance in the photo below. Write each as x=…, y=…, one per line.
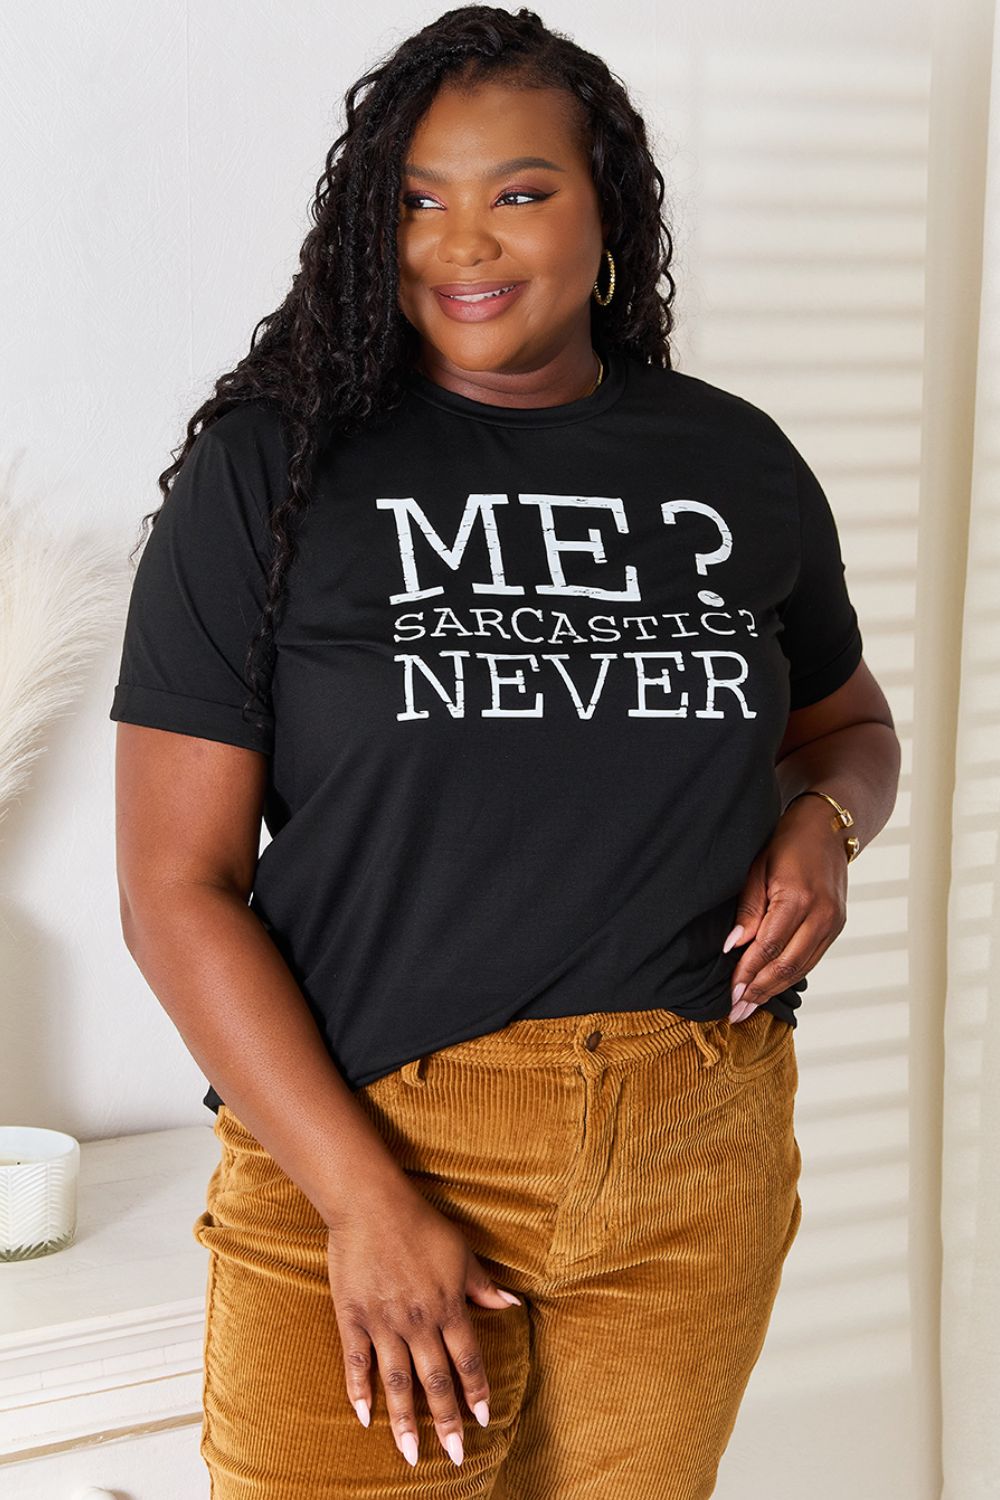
x=413, y=1072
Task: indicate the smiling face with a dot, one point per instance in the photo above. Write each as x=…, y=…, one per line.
x=496, y=188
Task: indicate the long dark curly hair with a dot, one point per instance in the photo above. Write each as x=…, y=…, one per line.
x=334, y=355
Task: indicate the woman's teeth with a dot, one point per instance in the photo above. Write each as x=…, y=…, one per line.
x=478, y=296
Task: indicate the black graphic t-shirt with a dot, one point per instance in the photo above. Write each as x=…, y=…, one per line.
x=529, y=683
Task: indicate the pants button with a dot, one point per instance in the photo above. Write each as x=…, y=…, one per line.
x=592, y=1041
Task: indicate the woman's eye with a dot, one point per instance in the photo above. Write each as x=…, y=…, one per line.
x=516, y=193
x=413, y=200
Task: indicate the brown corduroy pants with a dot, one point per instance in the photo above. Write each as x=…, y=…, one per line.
x=631, y=1176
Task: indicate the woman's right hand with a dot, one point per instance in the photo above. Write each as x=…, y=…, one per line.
x=400, y=1273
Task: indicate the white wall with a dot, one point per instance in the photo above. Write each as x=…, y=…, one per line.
x=158, y=164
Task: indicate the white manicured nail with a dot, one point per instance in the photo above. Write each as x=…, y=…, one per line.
x=733, y=937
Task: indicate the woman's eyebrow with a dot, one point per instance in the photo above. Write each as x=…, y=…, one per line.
x=516, y=164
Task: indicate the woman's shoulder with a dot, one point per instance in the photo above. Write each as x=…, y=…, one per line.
x=236, y=467
x=248, y=424
x=703, y=401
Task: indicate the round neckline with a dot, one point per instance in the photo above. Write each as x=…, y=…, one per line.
x=606, y=394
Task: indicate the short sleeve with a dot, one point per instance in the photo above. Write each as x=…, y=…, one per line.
x=821, y=637
x=197, y=596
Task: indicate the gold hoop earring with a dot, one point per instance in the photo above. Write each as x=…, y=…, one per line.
x=603, y=301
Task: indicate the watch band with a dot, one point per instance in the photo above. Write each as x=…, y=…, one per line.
x=842, y=820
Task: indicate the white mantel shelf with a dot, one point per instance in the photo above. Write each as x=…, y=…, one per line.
x=105, y=1339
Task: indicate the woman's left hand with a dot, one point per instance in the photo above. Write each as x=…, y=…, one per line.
x=792, y=907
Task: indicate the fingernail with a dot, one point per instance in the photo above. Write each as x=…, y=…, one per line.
x=733, y=937
x=481, y=1412
x=453, y=1443
x=364, y=1415
x=737, y=992
x=408, y=1444
x=738, y=1012
x=509, y=1297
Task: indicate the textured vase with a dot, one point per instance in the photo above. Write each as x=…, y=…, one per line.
x=39, y=1171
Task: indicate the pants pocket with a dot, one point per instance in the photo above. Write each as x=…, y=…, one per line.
x=755, y=1046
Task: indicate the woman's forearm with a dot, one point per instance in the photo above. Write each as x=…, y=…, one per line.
x=227, y=989
x=858, y=765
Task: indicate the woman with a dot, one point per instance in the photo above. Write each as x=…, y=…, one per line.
x=527, y=648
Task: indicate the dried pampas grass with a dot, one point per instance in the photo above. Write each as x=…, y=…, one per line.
x=60, y=598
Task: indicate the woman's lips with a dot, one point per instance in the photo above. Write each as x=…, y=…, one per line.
x=478, y=312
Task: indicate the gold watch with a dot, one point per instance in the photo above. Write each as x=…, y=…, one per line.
x=842, y=820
